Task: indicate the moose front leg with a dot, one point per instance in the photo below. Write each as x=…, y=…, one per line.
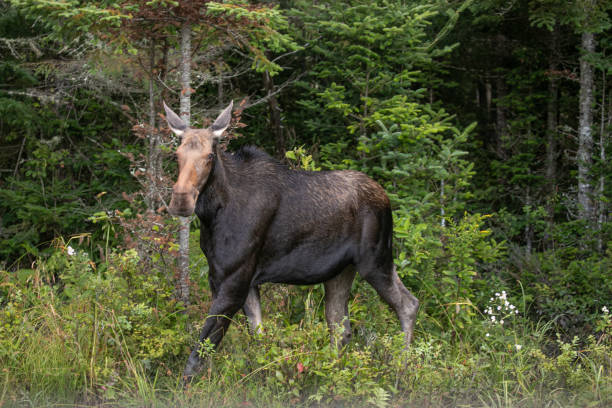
x=231, y=296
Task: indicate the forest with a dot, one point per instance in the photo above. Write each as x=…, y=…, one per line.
x=487, y=122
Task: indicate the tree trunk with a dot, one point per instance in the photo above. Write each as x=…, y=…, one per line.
x=501, y=124
x=602, y=207
x=585, y=135
x=275, y=116
x=488, y=96
x=442, y=211
x=185, y=106
x=551, y=135
x=153, y=172
x=551, y=121
x=528, y=227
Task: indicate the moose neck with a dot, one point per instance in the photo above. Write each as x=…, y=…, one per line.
x=216, y=189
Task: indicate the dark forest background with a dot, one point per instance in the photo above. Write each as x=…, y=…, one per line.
x=487, y=122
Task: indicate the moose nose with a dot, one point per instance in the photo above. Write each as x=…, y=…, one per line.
x=182, y=202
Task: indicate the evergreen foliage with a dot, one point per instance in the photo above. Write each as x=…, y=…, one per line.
x=467, y=112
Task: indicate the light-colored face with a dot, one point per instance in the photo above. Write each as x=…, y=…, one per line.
x=195, y=157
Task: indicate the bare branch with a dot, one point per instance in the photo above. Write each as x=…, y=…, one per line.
x=277, y=91
x=37, y=94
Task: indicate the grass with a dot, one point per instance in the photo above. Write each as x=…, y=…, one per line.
x=120, y=340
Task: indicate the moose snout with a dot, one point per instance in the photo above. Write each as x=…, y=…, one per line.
x=182, y=202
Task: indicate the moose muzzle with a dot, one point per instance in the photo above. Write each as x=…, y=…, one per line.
x=183, y=202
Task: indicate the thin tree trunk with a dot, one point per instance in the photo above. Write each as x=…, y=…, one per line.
x=275, y=116
x=602, y=207
x=551, y=120
x=23, y=141
x=501, y=124
x=551, y=135
x=185, y=106
x=585, y=135
x=442, y=211
x=163, y=72
x=488, y=96
x=153, y=156
x=528, y=229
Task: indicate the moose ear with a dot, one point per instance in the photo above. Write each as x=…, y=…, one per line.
x=177, y=125
x=222, y=121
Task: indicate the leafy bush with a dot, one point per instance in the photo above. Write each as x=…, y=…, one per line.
x=568, y=292
x=86, y=324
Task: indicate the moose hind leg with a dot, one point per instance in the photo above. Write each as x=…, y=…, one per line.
x=252, y=310
x=337, y=292
x=392, y=290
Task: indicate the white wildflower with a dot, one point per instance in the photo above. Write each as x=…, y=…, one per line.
x=518, y=347
x=501, y=321
x=605, y=310
x=487, y=335
x=498, y=307
x=492, y=318
x=70, y=251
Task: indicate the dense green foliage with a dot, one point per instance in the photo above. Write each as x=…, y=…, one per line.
x=467, y=113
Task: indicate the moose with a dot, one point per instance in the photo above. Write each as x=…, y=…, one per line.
x=264, y=222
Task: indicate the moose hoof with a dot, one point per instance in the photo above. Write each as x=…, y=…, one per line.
x=191, y=369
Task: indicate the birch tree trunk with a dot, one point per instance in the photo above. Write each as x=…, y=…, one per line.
x=185, y=107
x=585, y=135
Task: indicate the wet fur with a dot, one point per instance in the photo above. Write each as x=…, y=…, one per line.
x=263, y=222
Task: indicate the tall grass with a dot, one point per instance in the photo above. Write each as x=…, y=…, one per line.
x=118, y=343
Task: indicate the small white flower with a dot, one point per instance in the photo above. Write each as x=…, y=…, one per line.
x=605, y=310
x=487, y=335
x=501, y=321
x=516, y=312
x=492, y=318
x=70, y=251
x=511, y=307
x=518, y=347
x=496, y=294
x=498, y=307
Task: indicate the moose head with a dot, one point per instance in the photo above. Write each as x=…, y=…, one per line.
x=196, y=157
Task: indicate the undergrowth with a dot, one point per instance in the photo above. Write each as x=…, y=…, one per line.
x=110, y=334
